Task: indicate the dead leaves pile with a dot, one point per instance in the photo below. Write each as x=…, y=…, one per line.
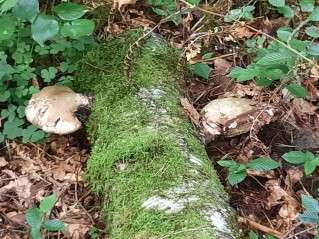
x=31, y=172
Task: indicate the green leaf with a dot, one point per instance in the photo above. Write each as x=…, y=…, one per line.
x=7, y=5
x=314, y=16
x=194, y=2
x=297, y=90
x=287, y=11
x=34, y=218
x=283, y=33
x=295, y=157
x=36, y=233
x=202, y=69
x=309, y=217
x=160, y=12
x=235, y=178
x=37, y=136
x=307, y=5
x=26, y=133
x=309, y=167
x=44, y=28
x=70, y=11
x=274, y=59
x=263, y=82
x=277, y=3
x=253, y=235
x=249, y=8
x=313, y=49
x=207, y=55
x=21, y=111
x=77, y=28
x=263, y=164
x=54, y=225
x=310, y=203
x=312, y=31
x=48, y=203
x=233, y=15
x=26, y=9
x=4, y=96
x=227, y=163
x=247, y=74
x=8, y=27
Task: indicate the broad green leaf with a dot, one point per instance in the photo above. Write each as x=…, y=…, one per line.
x=7, y=5
x=77, y=28
x=314, y=16
x=36, y=233
x=313, y=49
x=307, y=5
x=277, y=3
x=233, y=15
x=274, y=58
x=248, y=16
x=274, y=74
x=8, y=27
x=299, y=45
x=26, y=9
x=235, y=72
x=2, y=138
x=283, y=33
x=310, y=203
x=48, y=203
x=315, y=161
x=44, y=28
x=34, y=218
x=253, y=235
x=235, y=178
x=287, y=11
x=295, y=157
x=249, y=8
x=247, y=74
x=309, y=167
x=54, y=225
x=160, y=12
x=297, y=90
x=70, y=11
x=207, y=55
x=312, y=31
x=227, y=163
x=202, y=69
x=263, y=82
x=309, y=217
x=309, y=155
x=263, y=164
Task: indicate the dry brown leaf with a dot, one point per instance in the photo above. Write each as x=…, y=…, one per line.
x=294, y=175
x=119, y=3
x=222, y=67
x=21, y=186
x=76, y=231
x=191, y=111
x=3, y=162
x=303, y=106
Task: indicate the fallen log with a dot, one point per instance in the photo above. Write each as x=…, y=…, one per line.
x=147, y=164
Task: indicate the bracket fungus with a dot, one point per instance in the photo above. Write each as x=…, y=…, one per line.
x=54, y=109
x=231, y=116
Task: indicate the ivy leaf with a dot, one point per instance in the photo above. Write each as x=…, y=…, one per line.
x=295, y=157
x=263, y=164
x=26, y=9
x=307, y=5
x=297, y=90
x=77, y=28
x=54, y=225
x=314, y=16
x=201, y=69
x=44, y=28
x=310, y=203
x=70, y=11
x=277, y=3
x=48, y=203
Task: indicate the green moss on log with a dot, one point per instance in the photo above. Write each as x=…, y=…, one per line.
x=139, y=136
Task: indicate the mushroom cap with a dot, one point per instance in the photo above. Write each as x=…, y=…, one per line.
x=52, y=109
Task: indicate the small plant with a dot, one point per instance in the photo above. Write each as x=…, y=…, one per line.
x=36, y=48
x=36, y=218
x=202, y=69
x=282, y=57
x=94, y=233
x=238, y=172
x=309, y=160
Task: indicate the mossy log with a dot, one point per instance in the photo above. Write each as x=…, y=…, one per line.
x=147, y=163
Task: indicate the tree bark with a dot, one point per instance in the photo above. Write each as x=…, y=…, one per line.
x=147, y=165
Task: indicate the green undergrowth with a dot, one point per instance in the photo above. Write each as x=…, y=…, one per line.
x=132, y=157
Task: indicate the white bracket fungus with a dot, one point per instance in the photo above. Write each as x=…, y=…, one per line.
x=53, y=109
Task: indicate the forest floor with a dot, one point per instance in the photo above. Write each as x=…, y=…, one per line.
x=266, y=202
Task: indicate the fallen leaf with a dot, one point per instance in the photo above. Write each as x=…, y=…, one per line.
x=303, y=106
x=3, y=162
x=191, y=111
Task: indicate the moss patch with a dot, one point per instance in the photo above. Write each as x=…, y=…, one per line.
x=140, y=139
